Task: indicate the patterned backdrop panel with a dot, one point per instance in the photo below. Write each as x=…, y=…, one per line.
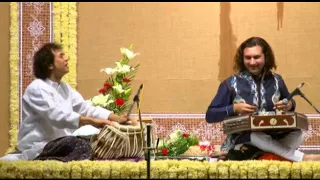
x=35, y=21
x=35, y=31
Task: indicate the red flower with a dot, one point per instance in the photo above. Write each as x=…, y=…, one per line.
x=185, y=134
x=164, y=151
x=126, y=80
x=119, y=101
x=203, y=147
x=206, y=147
x=103, y=90
x=107, y=85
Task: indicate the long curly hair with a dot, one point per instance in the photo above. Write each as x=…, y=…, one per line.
x=270, y=62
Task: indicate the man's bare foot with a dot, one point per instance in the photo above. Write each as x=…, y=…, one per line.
x=311, y=157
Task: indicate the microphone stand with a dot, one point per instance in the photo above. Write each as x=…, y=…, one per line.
x=136, y=99
x=148, y=158
x=304, y=97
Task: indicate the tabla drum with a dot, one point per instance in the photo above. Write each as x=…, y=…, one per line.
x=119, y=141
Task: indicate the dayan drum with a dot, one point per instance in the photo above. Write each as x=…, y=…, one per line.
x=119, y=141
x=267, y=122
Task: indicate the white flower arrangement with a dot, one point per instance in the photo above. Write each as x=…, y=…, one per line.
x=116, y=90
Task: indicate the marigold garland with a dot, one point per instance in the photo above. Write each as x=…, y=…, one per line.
x=65, y=32
x=183, y=169
x=57, y=21
x=14, y=76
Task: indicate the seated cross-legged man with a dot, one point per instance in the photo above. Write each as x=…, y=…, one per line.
x=255, y=88
x=53, y=110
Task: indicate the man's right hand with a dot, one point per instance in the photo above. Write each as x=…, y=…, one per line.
x=122, y=119
x=243, y=108
x=100, y=123
x=96, y=122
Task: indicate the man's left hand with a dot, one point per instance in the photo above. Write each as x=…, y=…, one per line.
x=281, y=106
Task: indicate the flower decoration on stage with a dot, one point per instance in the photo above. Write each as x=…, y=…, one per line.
x=116, y=90
x=177, y=143
x=206, y=146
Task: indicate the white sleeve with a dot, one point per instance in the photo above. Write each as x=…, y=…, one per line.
x=41, y=100
x=86, y=108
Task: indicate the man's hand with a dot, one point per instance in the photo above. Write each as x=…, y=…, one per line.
x=243, y=108
x=122, y=119
x=281, y=106
x=96, y=122
x=100, y=123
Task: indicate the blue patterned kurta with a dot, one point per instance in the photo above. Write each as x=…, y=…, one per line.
x=261, y=92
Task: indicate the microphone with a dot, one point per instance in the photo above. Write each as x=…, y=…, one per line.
x=295, y=92
x=135, y=99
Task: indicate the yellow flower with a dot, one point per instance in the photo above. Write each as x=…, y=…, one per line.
x=316, y=170
x=86, y=169
x=76, y=170
x=284, y=170
x=213, y=170
x=243, y=168
x=296, y=170
x=106, y=170
x=263, y=168
x=234, y=170
x=14, y=75
x=223, y=169
x=172, y=172
x=306, y=170
x=163, y=168
x=183, y=169
x=143, y=169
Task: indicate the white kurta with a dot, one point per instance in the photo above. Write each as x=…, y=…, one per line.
x=51, y=110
